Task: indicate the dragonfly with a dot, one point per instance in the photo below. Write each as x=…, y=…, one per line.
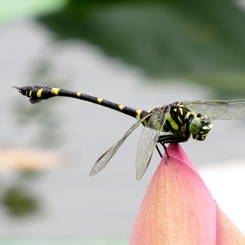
x=172, y=123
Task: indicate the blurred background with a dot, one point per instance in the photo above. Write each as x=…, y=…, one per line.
x=138, y=53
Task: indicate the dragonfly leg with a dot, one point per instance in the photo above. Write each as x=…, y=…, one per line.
x=165, y=148
x=158, y=150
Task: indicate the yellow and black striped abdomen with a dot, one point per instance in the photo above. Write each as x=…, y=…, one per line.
x=38, y=93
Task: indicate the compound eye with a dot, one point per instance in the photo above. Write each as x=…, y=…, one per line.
x=200, y=127
x=195, y=125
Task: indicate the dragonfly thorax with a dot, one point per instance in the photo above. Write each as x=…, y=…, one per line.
x=181, y=123
x=200, y=126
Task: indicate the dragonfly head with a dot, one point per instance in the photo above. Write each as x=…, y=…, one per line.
x=200, y=126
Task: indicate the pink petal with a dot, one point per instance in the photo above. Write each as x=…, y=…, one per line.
x=177, y=207
x=227, y=232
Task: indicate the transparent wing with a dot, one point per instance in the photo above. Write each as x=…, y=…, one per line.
x=218, y=109
x=148, y=140
x=106, y=157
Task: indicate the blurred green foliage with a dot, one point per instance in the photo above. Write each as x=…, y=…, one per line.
x=19, y=202
x=12, y=9
x=198, y=40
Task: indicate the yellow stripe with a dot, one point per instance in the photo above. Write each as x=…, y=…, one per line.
x=78, y=94
x=138, y=113
x=121, y=107
x=39, y=93
x=55, y=91
x=181, y=110
x=99, y=100
x=190, y=113
x=29, y=94
x=173, y=124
